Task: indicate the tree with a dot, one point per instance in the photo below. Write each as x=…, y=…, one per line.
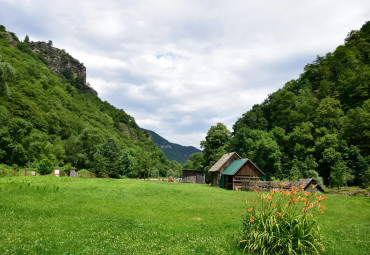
x=195, y=162
x=45, y=167
x=215, y=143
x=339, y=174
x=26, y=39
x=128, y=164
x=107, y=155
x=50, y=43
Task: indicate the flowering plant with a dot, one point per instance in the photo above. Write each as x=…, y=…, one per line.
x=283, y=222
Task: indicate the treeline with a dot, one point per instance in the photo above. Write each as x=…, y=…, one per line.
x=46, y=116
x=316, y=126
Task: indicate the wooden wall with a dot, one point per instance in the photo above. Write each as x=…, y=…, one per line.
x=216, y=176
x=248, y=170
x=193, y=176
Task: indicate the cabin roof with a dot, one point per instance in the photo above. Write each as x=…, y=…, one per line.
x=234, y=167
x=222, y=161
x=310, y=181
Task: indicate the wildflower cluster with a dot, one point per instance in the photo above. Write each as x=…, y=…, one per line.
x=283, y=222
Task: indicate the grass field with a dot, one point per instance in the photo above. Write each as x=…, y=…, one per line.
x=51, y=215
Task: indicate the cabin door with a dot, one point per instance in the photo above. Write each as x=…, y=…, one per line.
x=229, y=182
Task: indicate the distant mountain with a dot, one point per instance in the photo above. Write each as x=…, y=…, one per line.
x=172, y=151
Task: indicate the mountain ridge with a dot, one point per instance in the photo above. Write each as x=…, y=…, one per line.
x=172, y=151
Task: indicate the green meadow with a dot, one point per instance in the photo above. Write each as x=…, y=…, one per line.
x=51, y=215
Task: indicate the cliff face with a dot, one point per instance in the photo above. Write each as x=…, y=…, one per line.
x=62, y=63
x=59, y=60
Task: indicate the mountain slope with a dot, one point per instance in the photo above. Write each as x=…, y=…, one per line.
x=173, y=151
x=56, y=116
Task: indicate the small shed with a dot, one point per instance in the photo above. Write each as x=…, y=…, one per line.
x=193, y=176
x=73, y=174
x=217, y=169
x=310, y=185
x=240, y=173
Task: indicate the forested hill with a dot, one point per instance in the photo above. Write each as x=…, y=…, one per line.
x=173, y=151
x=318, y=124
x=56, y=115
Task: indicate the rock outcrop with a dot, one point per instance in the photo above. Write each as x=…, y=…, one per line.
x=61, y=62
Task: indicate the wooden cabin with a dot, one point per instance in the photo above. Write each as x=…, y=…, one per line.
x=193, y=176
x=217, y=169
x=308, y=185
x=240, y=173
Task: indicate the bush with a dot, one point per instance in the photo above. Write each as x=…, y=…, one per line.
x=45, y=167
x=282, y=222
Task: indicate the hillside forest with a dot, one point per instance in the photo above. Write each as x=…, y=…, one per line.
x=47, y=115
x=317, y=126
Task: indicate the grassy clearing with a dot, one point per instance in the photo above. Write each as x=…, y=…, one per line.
x=50, y=215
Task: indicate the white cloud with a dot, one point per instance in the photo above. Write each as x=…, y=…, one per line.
x=180, y=66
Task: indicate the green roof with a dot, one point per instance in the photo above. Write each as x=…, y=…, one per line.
x=234, y=167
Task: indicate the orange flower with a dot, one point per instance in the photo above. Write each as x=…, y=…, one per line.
x=307, y=194
x=302, y=187
x=269, y=197
x=279, y=214
x=273, y=205
x=255, y=201
x=322, y=207
x=321, y=211
x=282, y=184
x=250, y=209
x=251, y=220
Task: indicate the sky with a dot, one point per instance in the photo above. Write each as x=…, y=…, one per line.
x=180, y=66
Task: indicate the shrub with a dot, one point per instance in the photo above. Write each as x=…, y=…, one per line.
x=45, y=167
x=282, y=222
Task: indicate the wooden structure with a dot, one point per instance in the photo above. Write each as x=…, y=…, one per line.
x=217, y=169
x=308, y=185
x=73, y=174
x=240, y=172
x=193, y=176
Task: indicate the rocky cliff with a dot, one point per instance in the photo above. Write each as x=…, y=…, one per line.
x=62, y=63
x=58, y=60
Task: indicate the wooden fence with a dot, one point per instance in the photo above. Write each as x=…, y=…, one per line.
x=264, y=185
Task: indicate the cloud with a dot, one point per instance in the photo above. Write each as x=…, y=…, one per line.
x=180, y=66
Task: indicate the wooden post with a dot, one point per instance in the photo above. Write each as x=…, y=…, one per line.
x=88, y=174
x=94, y=175
x=3, y=172
x=81, y=175
x=15, y=172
